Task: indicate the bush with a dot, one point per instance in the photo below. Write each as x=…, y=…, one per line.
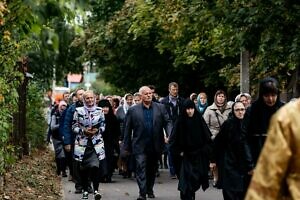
x=35, y=117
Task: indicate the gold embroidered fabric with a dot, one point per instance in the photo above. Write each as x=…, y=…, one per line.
x=277, y=173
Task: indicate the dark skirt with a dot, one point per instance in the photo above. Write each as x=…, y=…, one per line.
x=90, y=159
x=58, y=148
x=193, y=173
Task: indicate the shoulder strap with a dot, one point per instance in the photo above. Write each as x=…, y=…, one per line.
x=218, y=118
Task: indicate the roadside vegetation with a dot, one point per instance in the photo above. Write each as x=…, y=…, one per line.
x=132, y=43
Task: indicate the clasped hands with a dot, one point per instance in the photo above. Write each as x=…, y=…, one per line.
x=90, y=131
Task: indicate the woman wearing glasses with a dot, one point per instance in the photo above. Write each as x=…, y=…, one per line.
x=232, y=155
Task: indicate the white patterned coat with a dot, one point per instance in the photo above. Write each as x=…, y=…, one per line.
x=83, y=119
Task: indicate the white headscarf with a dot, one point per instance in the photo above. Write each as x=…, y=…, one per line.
x=90, y=109
x=125, y=105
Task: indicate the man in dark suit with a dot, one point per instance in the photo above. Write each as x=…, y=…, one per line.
x=144, y=138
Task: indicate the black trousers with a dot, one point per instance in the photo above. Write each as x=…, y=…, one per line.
x=69, y=161
x=146, y=167
x=76, y=175
x=189, y=195
x=233, y=195
x=90, y=174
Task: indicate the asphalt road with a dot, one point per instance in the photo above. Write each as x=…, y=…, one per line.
x=165, y=188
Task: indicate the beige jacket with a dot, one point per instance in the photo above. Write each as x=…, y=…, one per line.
x=214, y=118
x=277, y=174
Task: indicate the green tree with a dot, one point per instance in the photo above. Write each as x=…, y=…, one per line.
x=195, y=42
x=22, y=25
x=14, y=22
x=59, y=23
x=138, y=45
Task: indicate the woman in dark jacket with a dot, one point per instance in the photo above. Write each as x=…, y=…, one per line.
x=57, y=140
x=258, y=115
x=233, y=156
x=192, y=139
x=111, y=138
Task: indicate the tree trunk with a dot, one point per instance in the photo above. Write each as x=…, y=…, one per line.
x=244, y=72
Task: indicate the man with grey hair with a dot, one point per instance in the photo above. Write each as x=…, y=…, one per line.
x=144, y=138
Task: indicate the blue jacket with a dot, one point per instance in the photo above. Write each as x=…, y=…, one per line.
x=69, y=136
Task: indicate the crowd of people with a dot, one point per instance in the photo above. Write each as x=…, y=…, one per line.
x=235, y=143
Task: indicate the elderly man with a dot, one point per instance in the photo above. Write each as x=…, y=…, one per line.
x=144, y=138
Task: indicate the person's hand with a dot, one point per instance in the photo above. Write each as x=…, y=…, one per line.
x=93, y=131
x=68, y=148
x=48, y=141
x=166, y=140
x=90, y=132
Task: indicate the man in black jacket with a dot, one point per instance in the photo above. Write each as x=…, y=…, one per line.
x=144, y=138
x=173, y=104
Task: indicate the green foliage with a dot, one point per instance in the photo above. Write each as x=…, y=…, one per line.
x=101, y=87
x=54, y=32
x=197, y=43
x=268, y=29
x=36, y=124
x=25, y=26
x=145, y=41
x=103, y=10
x=13, y=28
x=7, y=157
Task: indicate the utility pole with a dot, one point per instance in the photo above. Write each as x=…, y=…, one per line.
x=244, y=72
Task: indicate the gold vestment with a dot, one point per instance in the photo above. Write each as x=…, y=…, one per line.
x=277, y=173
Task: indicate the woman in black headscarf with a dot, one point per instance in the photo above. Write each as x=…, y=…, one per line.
x=111, y=138
x=192, y=139
x=233, y=156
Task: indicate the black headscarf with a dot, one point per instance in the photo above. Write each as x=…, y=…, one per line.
x=112, y=126
x=258, y=115
x=192, y=131
x=260, y=112
x=104, y=103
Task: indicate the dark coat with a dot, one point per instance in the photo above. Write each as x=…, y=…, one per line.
x=120, y=114
x=110, y=136
x=258, y=115
x=173, y=111
x=233, y=156
x=69, y=136
x=134, y=139
x=255, y=124
x=192, y=137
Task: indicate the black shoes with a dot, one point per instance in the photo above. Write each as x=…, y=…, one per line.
x=141, y=197
x=79, y=190
x=151, y=196
x=97, y=195
x=85, y=195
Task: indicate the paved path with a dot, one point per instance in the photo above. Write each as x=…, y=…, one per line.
x=127, y=189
